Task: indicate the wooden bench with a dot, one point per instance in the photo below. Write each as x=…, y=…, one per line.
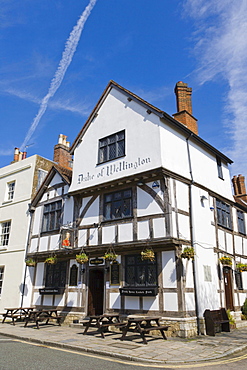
x=16, y=313
x=216, y=321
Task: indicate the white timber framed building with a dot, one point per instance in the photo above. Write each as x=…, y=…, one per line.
x=141, y=179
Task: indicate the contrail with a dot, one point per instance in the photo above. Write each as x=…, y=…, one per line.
x=68, y=53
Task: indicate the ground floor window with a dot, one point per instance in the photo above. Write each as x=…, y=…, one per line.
x=55, y=276
x=1, y=279
x=140, y=273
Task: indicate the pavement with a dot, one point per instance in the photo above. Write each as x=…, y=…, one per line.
x=158, y=350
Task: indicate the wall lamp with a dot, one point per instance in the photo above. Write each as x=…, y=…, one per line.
x=203, y=198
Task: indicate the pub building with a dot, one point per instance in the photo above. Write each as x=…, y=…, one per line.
x=150, y=207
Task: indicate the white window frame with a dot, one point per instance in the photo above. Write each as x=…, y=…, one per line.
x=10, y=191
x=5, y=233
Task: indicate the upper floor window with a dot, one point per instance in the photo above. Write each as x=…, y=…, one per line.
x=219, y=167
x=112, y=147
x=140, y=273
x=118, y=205
x=52, y=216
x=241, y=222
x=56, y=275
x=41, y=175
x=4, y=233
x=1, y=279
x=223, y=214
x=10, y=190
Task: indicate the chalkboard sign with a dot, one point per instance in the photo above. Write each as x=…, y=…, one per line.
x=114, y=269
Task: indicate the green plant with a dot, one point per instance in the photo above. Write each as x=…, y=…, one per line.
x=244, y=309
x=81, y=258
x=51, y=260
x=148, y=254
x=30, y=262
x=110, y=256
x=241, y=266
x=188, y=253
x=226, y=261
x=230, y=317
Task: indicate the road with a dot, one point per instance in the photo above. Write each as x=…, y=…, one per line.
x=15, y=354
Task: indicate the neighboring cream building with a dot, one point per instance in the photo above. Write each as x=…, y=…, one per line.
x=141, y=179
x=19, y=182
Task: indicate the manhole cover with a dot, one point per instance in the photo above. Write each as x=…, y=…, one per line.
x=124, y=345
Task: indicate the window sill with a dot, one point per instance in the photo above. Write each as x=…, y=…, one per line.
x=3, y=248
x=7, y=202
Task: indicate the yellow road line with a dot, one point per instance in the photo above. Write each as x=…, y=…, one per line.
x=140, y=364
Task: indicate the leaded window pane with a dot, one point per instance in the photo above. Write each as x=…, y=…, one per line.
x=118, y=205
x=112, y=147
x=52, y=216
x=139, y=272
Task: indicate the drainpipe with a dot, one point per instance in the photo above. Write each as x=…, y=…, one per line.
x=192, y=236
x=31, y=211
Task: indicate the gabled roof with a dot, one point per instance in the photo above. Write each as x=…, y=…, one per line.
x=66, y=175
x=155, y=110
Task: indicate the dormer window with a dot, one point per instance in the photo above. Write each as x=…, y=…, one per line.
x=112, y=147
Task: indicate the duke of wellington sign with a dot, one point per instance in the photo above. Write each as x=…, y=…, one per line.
x=112, y=169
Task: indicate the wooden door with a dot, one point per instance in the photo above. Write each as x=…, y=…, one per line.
x=227, y=274
x=96, y=292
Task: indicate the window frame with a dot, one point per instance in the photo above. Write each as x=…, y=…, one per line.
x=10, y=191
x=56, y=275
x=5, y=233
x=138, y=262
x=108, y=205
x=1, y=278
x=114, y=141
x=241, y=222
x=219, y=168
x=48, y=218
x=224, y=216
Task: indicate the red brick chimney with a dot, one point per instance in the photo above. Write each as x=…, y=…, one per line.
x=184, y=106
x=18, y=155
x=61, y=152
x=239, y=187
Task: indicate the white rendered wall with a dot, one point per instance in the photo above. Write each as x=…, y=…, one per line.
x=117, y=114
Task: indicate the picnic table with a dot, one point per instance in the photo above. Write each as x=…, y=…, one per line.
x=143, y=325
x=16, y=313
x=103, y=322
x=43, y=315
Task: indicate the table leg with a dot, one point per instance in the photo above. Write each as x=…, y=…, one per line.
x=125, y=329
x=87, y=327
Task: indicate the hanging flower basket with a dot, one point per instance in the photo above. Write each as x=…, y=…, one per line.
x=188, y=253
x=226, y=261
x=30, y=262
x=241, y=267
x=148, y=254
x=81, y=258
x=110, y=256
x=51, y=260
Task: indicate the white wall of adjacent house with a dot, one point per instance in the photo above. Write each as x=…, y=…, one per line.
x=12, y=256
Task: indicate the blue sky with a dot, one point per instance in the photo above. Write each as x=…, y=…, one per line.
x=144, y=45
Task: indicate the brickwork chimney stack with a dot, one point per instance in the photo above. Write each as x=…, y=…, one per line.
x=62, y=155
x=18, y=155
x=184, y=106
x=239, y=187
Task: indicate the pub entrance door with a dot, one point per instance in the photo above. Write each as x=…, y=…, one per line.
x=96, y=292
x=227, y=275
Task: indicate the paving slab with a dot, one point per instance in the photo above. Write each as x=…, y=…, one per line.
x=158, y=350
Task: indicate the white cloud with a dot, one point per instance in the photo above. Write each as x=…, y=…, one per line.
x=221, y=51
